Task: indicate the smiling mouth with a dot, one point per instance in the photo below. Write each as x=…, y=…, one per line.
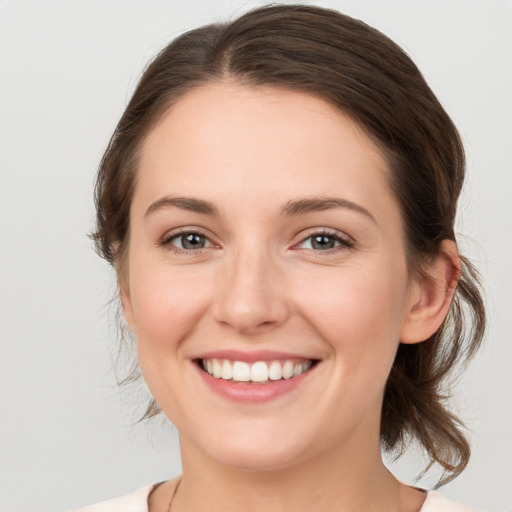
x=258, y=372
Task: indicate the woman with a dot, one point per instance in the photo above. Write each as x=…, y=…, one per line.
x=278, y=202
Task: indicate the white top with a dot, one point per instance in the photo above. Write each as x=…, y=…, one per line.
x=138, y=502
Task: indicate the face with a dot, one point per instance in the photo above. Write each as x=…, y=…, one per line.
x=266, y=248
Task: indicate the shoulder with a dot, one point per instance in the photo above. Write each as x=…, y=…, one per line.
x=134, y=502
x=437, y=503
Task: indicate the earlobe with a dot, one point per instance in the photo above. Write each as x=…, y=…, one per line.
x=126, y=304
x=433, y=295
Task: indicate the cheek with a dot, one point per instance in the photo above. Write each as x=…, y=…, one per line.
x=166, y=305
x=359, y=312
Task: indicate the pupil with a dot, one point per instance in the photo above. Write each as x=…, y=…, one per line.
x=323, y=242
x=193, y=241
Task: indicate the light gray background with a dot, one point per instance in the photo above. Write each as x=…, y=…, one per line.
x=67, y=69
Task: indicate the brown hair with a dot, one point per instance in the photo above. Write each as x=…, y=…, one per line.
x=366, y=75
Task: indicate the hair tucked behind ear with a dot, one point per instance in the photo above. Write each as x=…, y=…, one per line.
x=419, y=383
x=367, y=76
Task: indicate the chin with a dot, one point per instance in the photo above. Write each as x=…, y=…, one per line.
x=257, y=460
x=256, y=453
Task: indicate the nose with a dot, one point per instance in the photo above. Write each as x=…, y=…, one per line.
x=251, y=297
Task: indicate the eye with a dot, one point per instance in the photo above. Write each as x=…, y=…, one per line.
x=188, y=241
x=325, y=242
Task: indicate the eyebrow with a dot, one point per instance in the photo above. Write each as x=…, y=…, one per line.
x=292, y=208
x=317, y=204
x=185, y=203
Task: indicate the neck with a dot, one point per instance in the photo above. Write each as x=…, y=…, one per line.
x=349, y=479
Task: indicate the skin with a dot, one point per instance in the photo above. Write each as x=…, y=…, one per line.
x=259, y=284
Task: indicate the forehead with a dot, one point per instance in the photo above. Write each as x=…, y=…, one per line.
x=225, y=140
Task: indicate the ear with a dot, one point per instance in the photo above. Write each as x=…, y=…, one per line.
x=126, y=303
x=432, y=295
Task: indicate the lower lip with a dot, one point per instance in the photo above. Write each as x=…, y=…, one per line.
x=248, y=392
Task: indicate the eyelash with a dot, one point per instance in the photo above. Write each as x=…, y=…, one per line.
x=168, y=238
x=344, y=242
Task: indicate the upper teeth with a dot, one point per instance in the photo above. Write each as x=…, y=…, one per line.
x=259, y=371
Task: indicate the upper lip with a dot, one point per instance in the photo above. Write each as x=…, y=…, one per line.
x=252, y=356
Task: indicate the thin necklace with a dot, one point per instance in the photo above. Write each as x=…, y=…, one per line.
x=173, y=494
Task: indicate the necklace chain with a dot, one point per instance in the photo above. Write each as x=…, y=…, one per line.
x=173, y=494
